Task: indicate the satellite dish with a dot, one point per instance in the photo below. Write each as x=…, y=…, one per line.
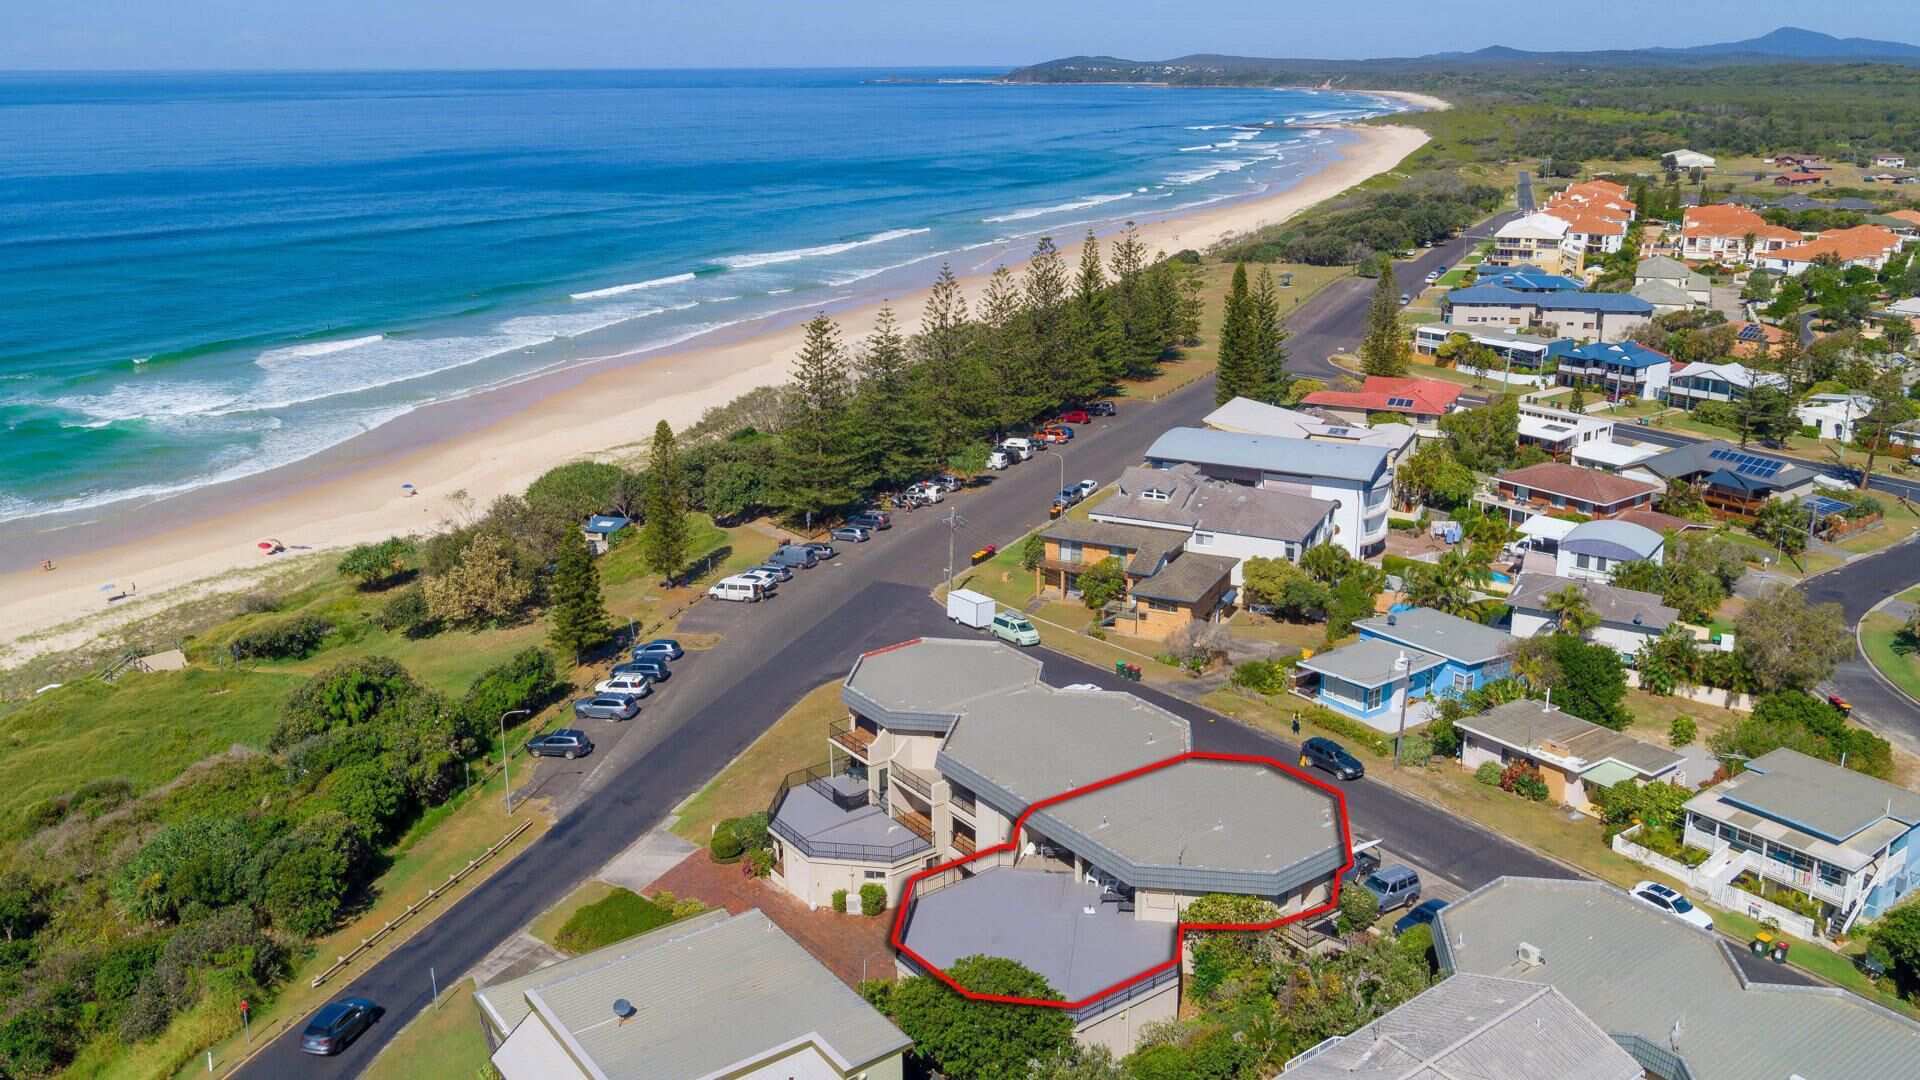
x=623, y=1008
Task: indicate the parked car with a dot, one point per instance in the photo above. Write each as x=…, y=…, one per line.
x=853, y=534
x=607, y=707
x=630, y=683
x=1443, y=268
x=1075, y=416
x=1019, y=448
x=1064, y=429
x=1000, y=459
x=1394, y=886
x=947, y=480
x=1102, y=408
x=1049, y=435
x=780, y=571
x=1421, y=915
x=1067, y=497
x=652, y=667
x=566, y=743
x=1324, y=753
x=1087, y=487
x=876, y=520
x=1405, y=299
x=336, y=1025
x=1659, y=896
x=664, y=648
x=1433, y=276
x=926, y=493
x=767, y=579
x=820, y=550
x=1838, y=702
x=1014, y=628
x=794, y=555
x=744, y=589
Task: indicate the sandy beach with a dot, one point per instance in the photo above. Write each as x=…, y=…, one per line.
x=496, y=444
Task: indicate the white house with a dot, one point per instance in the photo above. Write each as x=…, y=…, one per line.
x=1593, y=549
x=1629, y=620
x=1889, y=161
x=1535, y=239
x=1354, y=477
x=1834, y=414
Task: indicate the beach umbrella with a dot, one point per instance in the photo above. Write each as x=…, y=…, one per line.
x=269, y=545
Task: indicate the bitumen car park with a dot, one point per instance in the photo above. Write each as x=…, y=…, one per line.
x=607, y=707
x=1326, y=754
x=566, y=743
x=333, y=1027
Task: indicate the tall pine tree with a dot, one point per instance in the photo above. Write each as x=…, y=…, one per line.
x=1383, y=348
x=817, y=465
x=1013, y=386
x=892, y=427
x=1046, y=324
x=949, y=390
x=1237, y=374
x=580, y=620
x=1132, y=306
x=1269, y=342
x=664, y=538
x=1096, y=326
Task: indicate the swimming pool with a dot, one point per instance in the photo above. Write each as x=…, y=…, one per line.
x=1503, y=579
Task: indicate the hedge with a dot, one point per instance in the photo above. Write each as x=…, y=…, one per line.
x=873, y=898
x=1352, y=730
x=621, y=915
x=287, y=639
x=840, y=901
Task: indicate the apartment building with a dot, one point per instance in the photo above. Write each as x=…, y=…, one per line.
x=1559, y=432
x=1355, y=477
x=1582, y=316
x=1620, y=370
x=958, y=740
x=1534, y=239
x=1869, y=246
x=1722, y=232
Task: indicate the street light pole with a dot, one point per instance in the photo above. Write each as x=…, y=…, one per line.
x=1400, y=669
x=506, y=756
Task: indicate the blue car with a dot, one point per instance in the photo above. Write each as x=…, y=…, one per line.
x=660, y=648
x=1421, y=915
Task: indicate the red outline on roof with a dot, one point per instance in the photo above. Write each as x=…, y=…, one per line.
x=1180, y=929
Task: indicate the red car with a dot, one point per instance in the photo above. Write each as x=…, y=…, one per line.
x=1077, y=416
x=1838, y=702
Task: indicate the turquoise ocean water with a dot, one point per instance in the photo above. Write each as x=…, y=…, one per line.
x=203, y=276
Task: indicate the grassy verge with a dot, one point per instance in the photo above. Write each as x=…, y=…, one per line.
x=547, y=926
x=439, y=1042
x=1880, y=639
x=616, y=916
x=795, y=741
x=1633, y=410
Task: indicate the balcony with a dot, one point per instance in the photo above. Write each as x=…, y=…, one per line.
x=851, y=737
x=962, y=843
x=916, y=781
x=916, y=823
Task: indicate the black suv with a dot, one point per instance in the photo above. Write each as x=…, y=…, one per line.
x=566, y=743
x=1331, y=756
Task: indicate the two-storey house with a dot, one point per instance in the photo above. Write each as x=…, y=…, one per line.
x=1620, y=370
x=1355, y=477
x=1557, y=486
x=1404, y=658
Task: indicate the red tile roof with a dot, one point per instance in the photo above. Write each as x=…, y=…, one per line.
x=1859, y=242
x=1429, y=396
x=1721, y=219
x=1574, y=482
x=1657, y=521
x=1910, y=216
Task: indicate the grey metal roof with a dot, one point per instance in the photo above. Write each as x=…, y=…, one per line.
x=1478, y=1027
x=1437, y=632
x=1188, y=579
x=1040, y=919
x=1204, y=826
x=923, y=685
x=1662, y=293
x=1615, y=606
x=1369, y=662
x=824, y=829
x=1270, y=453
x=1819, y=796
x=1693, y=460
x=1193, y=501
x=714, y=994
x=1543, y=731
x=1634, y=970
x=1613, y=540
x=1258, y=418
x=1149, y=546
x=1500, y=295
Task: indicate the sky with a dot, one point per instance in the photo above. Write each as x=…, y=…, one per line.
x=253, y=34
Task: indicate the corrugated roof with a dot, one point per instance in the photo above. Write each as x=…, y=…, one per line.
x=1619, y=303
x=1192, y=501
x=1614, y=605
x=1819, y=796
x=1369, y=662
x=1268, y=453
x=711, y=999
x=1437, y=632
x=1613, y=540
x=1635, y=970
x=1695, y=460
x=1661, y=293
x=1630, y=354
x=1476, y=1027
x=1249, y=417
x=1546, y=732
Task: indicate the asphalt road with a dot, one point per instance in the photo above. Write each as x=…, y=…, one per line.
x=874, y=594
x=1857, y=587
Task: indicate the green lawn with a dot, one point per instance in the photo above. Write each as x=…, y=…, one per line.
x=617, y=916
x=1631, y=410
x=1881, y=639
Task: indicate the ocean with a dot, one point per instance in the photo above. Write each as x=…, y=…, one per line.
x=210, y=275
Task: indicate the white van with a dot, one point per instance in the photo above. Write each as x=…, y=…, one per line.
x=927, y=492
x=999, y=459
x=1021, y=448
x=737, y=588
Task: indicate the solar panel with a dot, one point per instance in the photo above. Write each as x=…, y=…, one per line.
x=1752, y=332
x=1826, y=507
x=1400, y=402
x=1750, y=464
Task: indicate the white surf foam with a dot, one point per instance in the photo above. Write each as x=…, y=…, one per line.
x=769, y=258
x=1040, y=211
x=617, y=290
x=314, y=348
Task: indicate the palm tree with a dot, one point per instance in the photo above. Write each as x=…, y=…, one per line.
x=1437, y=588
x=1572, y=611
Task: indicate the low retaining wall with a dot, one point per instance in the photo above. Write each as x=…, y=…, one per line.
x=1705, y=695
x=1721, y=894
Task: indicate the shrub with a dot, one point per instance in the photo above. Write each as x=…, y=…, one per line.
x=349, y=693
x=840, y=901
x=1523, y=780
x=1352, y=731
x=1682, y=731
x=1488, y=773
x=873, y=898
x=526, y=680
x=1416, y=749
x=309, y=872
x=678, y=907
x=406, y=612
x=1261, y=676
x=752, y=831
x=1418, y=940
x=227, y=949
x=290, y=638
x=1358, y=908
x=759, y=863
x=378, y=563
x=725, y=847
x=617, y=917
x=199, y=863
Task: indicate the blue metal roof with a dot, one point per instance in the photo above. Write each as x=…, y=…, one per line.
x=1531, y=279
x=606, y=524
x=1624, y=353
x=1619, y=303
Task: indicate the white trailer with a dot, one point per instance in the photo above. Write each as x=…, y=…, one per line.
x=969, y=608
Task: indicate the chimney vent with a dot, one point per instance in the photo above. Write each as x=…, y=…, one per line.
x=624, y=1009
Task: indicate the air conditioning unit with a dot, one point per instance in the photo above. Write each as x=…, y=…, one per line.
x=1529, y=955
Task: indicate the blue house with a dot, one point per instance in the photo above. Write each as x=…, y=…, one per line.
x=1416, y=655
x=1624, y=369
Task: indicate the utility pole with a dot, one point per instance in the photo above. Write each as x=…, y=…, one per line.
x=506, y=756
x=1402, y=671
x=953, y=523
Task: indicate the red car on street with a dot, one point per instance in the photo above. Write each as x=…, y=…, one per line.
x=1077, y=416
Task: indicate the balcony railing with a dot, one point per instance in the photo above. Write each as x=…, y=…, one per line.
x=851, y=737
x=920, y=783
x=963, y=843
x=846, y=797
x=916, y=823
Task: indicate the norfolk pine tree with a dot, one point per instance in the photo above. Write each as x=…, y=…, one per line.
x=817, y=467
x=892, y=427
x=1383, y=348
x=1269, y=342
x=663, y=539
x=1236, y=374
x=950, y=388
x=579, y=615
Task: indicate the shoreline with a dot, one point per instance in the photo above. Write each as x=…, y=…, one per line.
x=496, y=442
